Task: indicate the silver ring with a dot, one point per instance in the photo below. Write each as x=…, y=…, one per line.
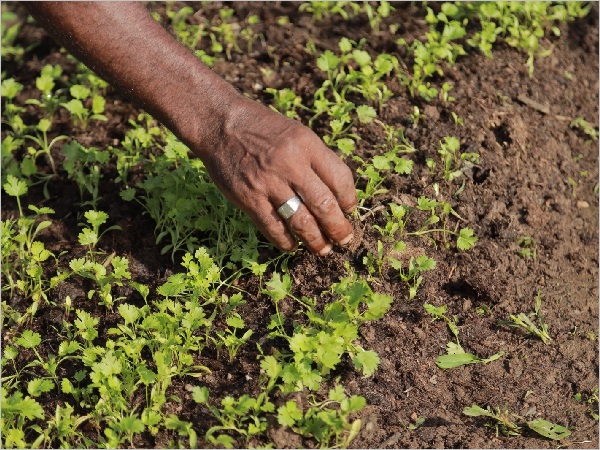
x=289, y=208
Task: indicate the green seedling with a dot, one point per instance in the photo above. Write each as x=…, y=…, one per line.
x=508, y=424
x=11, y=112
x=583, y=125
x=327, y=336
x=455, y=162
x=321, y=10
x=83, y=166
x=80, y=113
x=412, y=275
x=90, y=235
x=23, y=256
x=49, y=101
x=591, y=399
x=229, y=337
x=286, y=102
x=527, y=248
x=327, y=421
x=526, y=322
x=455, y=356
x=245, y=416
x=45, y=147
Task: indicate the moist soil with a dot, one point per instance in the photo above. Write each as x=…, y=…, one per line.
x=536, y=177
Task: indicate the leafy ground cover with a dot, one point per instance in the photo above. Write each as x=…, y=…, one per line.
x=140, y=309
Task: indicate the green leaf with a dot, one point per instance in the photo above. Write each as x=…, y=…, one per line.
x=476, y=411
x=366, y=113
x=455, y=360
x=327, y=61
x=24, y=407
x=38, y=386
x=79, y=92
x=403, y=166
x=367, y=361
x=288, y=414
x=98, y=104
x=15, y=187
x=29, y=339
x=235, y=321
x=466, y=240
x=346, y=146
x=88, y=237
x=548, y=429
x=278, y=288
x=200, y=394
x=271, y=366
x=10, y=88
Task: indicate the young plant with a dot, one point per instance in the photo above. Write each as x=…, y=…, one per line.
x=509, y=424
x=583, y=125
x=527, y=248
x=245, y=416
x=229, y=336
x=49, y=101
x=456, y=356
x=412, y=274
x=11, y=112
x=526, y=322
x=23, y=256
x=454, y=162
x=83, y=166
x=327, y=421
x=41, y=139
x=80, y=113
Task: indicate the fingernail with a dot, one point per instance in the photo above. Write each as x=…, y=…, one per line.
x=346, y=240
x=325, y=250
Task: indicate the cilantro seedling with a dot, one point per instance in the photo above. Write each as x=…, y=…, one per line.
x=80, y=113
x=327, y=421
x=412, y=274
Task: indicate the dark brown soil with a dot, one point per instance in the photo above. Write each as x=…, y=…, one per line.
x=519, y=188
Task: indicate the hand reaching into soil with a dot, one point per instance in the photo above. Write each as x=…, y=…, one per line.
x=258, y=158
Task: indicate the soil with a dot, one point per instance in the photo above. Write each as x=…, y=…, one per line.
x=518, y=124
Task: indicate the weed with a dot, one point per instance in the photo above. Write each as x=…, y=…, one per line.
x=583, y=125
x=527, y=248
x=507, y=423
x=455, y=356
x=526, y=322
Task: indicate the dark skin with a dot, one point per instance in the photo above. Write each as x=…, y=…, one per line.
x=258, y=158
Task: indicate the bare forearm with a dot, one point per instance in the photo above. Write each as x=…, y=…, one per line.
x=121, y=42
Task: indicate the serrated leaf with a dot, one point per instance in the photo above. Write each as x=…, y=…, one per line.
x=15, y=187
x=29, y=339
x=466, y=239
x=38, y=386
x=24, y=407
x=288, y=414
x=367, y=361
x=200, y=394
x=278, y=288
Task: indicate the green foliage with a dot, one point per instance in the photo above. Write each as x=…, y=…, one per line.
x=83, y=165
x=583, y=125
x=507, y=423
x=456, y=356
x=81, y=113
x=527, y=324
x=412, y=274
x=327, y=421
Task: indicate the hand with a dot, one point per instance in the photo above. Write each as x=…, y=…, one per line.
x=264, y=159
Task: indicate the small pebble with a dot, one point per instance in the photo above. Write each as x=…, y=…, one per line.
x=582, y=204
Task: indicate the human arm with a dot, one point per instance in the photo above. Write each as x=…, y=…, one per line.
x=257, y=158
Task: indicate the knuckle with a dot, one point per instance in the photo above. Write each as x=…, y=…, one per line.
x=325, y=205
